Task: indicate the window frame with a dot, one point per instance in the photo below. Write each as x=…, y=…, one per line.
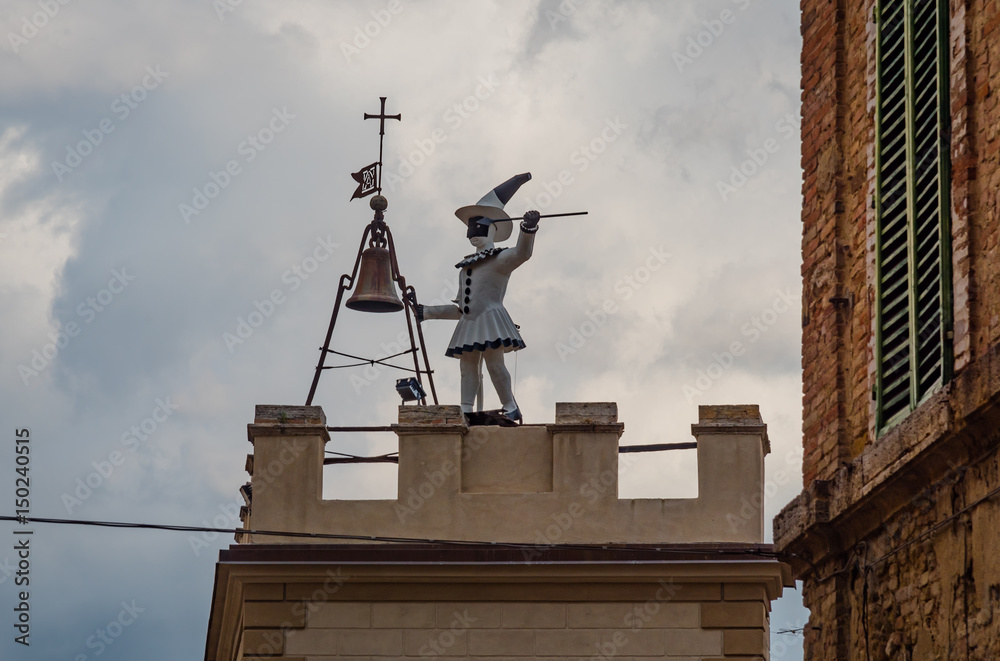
x=943, y=209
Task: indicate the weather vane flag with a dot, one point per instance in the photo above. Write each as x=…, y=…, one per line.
x=369, y=178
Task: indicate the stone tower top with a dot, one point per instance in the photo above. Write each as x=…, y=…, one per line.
x=547, y=483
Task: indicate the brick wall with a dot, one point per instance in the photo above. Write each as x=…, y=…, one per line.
x=905, y=493
x=838, y=242
x=711, y=622
x=836, y=299
x=976, y=161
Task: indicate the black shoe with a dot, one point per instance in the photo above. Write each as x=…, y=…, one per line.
x=489, y=418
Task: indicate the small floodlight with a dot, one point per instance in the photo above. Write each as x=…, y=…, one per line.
x=410, y=389
x=247, y=492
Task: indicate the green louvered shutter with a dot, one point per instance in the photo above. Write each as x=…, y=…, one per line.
x=913, y=348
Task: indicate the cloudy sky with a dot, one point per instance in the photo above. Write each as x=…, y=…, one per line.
x=166, y=167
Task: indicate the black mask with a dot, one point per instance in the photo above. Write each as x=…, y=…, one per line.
x=477, y=227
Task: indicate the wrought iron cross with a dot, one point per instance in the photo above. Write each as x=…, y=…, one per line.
x=381, y=117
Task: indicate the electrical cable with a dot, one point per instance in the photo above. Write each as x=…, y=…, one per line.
x=352, y=456
x=376, y=538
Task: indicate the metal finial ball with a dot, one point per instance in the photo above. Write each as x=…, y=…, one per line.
x=379, y=203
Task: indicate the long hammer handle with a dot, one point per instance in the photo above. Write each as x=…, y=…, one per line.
x=547, y=215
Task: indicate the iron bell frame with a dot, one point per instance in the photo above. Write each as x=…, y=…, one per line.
x=378, y=235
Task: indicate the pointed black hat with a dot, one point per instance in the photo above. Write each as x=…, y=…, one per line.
x=492, y=204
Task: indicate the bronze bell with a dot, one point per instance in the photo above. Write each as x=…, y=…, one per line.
x=375, y=291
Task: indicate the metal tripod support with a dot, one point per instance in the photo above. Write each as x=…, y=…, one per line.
x=377, y=235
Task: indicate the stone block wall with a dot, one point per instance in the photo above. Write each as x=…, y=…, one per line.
x=504, y=543
x=465, y=617
x=457, y=482
x=559, y=630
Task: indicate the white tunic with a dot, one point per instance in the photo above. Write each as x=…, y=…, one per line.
x=483, y=322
